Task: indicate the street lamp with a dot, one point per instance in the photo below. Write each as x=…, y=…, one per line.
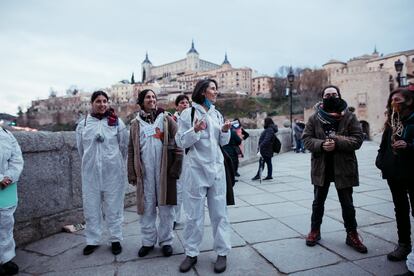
x=398, y=67
x=291, y=79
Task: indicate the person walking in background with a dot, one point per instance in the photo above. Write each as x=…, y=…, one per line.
x=102, y=141
x=181, y=102
x=395, y=159
x=266, y=148
x=298, y=131
x=333, y=134
x=154, y=165
x=202, y=130
x=243, y=134
x=11, y=166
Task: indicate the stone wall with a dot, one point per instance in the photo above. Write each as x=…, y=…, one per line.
x=50, y=193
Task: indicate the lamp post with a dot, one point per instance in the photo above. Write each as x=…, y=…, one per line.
x=291, y=78
x=398, y=67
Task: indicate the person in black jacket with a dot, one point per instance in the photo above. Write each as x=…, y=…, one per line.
x=232, y=148
x=396, y=161
x=266, y=148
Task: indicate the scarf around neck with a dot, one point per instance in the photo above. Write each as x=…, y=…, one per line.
x=331, y=118
x=109, y=114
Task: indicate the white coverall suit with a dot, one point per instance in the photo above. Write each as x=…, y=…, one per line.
x=11, y=165
x=204, y=175
x=103, y=150
x=151, y=152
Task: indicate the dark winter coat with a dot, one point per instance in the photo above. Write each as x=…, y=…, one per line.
x=266, y=141
x=232, y=148
x=298, y=130
x=349, y=138
x=397, y=165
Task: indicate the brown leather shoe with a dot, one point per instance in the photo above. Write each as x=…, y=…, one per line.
x=352, y=239
x=188, y=263
x=220, y=265
x=313, y=237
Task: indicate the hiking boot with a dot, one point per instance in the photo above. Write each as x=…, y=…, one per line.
x=220, y=265
x=116, y=248
x=89, y=249
x=400, y=253
x=352, y=239
x=9, y=268
x=313, y=237
x=144, y=250
x=188, y=263
x=167, y=250
x=256, y=177
x=268, y=178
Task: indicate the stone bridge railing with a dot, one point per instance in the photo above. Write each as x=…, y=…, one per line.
x=50, y=193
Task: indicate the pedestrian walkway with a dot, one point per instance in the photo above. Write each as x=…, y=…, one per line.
x=268, y=223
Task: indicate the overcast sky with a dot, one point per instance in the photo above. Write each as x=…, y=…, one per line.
x=95, y=43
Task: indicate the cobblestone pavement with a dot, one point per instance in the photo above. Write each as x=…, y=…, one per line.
x=268, y=224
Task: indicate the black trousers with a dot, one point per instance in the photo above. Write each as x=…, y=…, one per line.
x=402, y=196
x=268, y=161
x=345, y=198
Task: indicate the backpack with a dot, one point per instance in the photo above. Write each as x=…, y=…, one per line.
x=276, y=144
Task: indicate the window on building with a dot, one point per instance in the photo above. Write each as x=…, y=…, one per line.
x=362, y=99
x=381, y=65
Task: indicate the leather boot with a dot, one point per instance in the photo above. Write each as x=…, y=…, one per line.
x=400, y=253
x=220, y=265
x=188, y=263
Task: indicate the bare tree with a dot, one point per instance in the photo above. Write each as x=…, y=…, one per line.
x=309, y=85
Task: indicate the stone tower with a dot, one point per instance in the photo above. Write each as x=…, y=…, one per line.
x=146, y=66
x=193, y=59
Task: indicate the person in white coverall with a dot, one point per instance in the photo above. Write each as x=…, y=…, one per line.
x=181, y=102
x=102, y=141
x=154, y=165
x=11, y=166
x=204, y=174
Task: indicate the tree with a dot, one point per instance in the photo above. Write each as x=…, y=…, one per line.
x=309, y=86
x=132, y=78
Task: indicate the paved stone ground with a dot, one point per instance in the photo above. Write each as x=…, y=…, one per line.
x=268, y=224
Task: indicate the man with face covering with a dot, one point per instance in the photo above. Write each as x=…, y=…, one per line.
x=332, y=135
x=396, y=161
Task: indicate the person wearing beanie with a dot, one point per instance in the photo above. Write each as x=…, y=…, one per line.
x=333, y=134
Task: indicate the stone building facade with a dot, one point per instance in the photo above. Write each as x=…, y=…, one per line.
x=262, y=86
x=366, y=82
x=182, y=75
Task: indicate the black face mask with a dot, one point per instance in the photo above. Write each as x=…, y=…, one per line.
x=331, y=104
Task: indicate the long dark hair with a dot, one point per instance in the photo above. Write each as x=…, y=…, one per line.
x=200, y=88
x=407, y=94
x=98, y=93
x=141, y=96
x=268, y=122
